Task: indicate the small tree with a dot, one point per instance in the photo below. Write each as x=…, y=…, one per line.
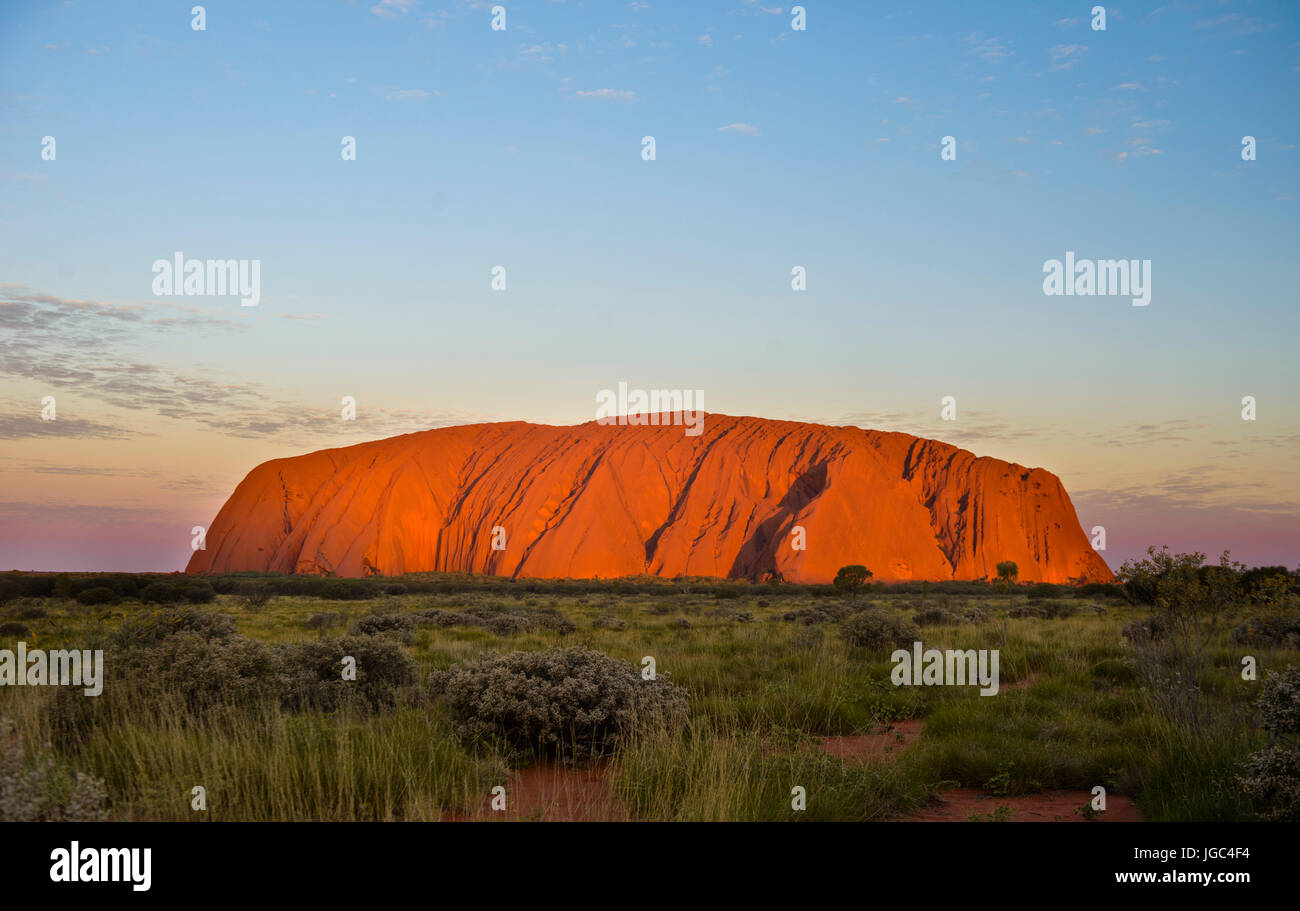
x=1008, y=572
x=851, y=578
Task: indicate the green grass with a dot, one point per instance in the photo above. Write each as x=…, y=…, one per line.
x=761, y=692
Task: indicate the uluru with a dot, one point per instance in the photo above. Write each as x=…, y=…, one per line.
x=599, y=500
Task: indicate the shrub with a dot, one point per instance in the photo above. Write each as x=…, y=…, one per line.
x=158, y=593
x=376, y=624
x=154, y=627
x=123, y=584
x=345, y=590
x=1146, y=630
x=682, y=623
x=99, y=595
x=1275, y=629
x=1045, y=590
x=1271, y=777
x=936, y=616
x=504, y=621
x=1257, y=580
x=877, y=630
x=35, y=789
x=385, y=674
x=189, y=590
x=28, y=612
x=1059, y=610
x=323, y=620
x=1099, y=590
x=609, y=621
x=1027, y=610
x=14, y=629
x=573, y=704
x=255, y=597
x=202, y=671
x=811, y=616
x=1279, y=703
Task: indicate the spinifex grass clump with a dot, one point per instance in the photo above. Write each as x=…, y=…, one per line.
x=571, y=704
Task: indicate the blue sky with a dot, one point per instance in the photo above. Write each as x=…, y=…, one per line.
x=774, y=148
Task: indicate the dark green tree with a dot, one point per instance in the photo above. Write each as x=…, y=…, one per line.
x=851, y=578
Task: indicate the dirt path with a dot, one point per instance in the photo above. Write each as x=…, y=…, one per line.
x=547, y=792
x=888, y=741
x=1050, y=806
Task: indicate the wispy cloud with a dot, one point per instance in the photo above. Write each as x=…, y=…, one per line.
x=608, y=94
x=990, y=50
x=747, y=128
x=1067, y=56
x=393, y=9
x=84, y=348
x=409, y=95
x=19, y=426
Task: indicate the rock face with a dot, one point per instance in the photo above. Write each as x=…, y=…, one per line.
x=610, y=501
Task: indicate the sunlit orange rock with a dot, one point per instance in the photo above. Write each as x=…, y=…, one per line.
x=608, y=501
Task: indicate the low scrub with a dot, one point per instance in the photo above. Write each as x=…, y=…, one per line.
x=503, y=621
x=155, y=626
x=1278, y=629
x=1271, y=776
x=571, y=704
x=878, y=630
x=37, y=789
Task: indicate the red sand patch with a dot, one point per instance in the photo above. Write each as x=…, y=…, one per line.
x=1050, y=806
x=553, y=793
x=887, y=742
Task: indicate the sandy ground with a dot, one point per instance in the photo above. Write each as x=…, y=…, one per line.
x=886, y=742
x=550, y=792
x=1050, y=806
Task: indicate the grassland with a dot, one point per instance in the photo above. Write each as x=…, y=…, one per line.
x=768, y=675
